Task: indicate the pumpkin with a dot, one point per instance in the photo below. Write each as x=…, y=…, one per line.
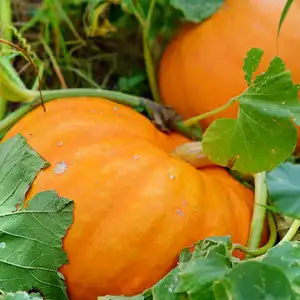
x=135, y=205
x=201, y=68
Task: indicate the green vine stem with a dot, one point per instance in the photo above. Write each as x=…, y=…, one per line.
x=150, y=69
x=259, y=211
x=196, y=119
x=151, y=73
x=154, y=110
x=271, y=242
x=5, y=23
x=291, y=232
x=35, y=85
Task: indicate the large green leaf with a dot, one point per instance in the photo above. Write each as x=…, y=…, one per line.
x=198, y=275
x=30, y=236
x=283, y=185
x=197, y=10
x=287, y=257
x=254, y=280
x=263, y=135
x=165, y=289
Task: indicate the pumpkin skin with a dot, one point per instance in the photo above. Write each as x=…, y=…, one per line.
x=136, y=206
x=201, y=68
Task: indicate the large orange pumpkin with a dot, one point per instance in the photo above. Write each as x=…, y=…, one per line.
x=136, y=206
x=201, y=68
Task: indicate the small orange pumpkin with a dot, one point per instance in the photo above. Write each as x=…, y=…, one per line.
x=201, y=68
x=136, y=206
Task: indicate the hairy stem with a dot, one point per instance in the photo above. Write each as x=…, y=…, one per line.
x=291, y=232
x=195, y=120
x=271, y=242
x=259, y=211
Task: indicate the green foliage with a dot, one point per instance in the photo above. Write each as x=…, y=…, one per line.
x=97, y=43
x=197, y=10
x=261, y=138
x=283, y=185
x=284, y=13
x=133, y=84
x=287, y=258
x=254, y=280
x=251, y=63
x=31, y=234
x=213, y=274
x=263, y=135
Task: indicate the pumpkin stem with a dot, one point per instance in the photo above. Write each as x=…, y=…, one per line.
x=271, y=242
x=259, y=211
x=196, y=119
x=192, y=153
x=291, y=232
x=165, y=118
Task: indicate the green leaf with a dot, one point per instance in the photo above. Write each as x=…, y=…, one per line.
x=132, y=6
x=165, y=289
x=197, y=10
x=30, y=237
x=284, y=13
x=283, y=185
x=287, y=257
x=198, y=275
x=136, y=83
x=19, y=165
x=195, y=272
x=263, y=135
x=20, y=296
x=254, y=280
x=251, y=63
